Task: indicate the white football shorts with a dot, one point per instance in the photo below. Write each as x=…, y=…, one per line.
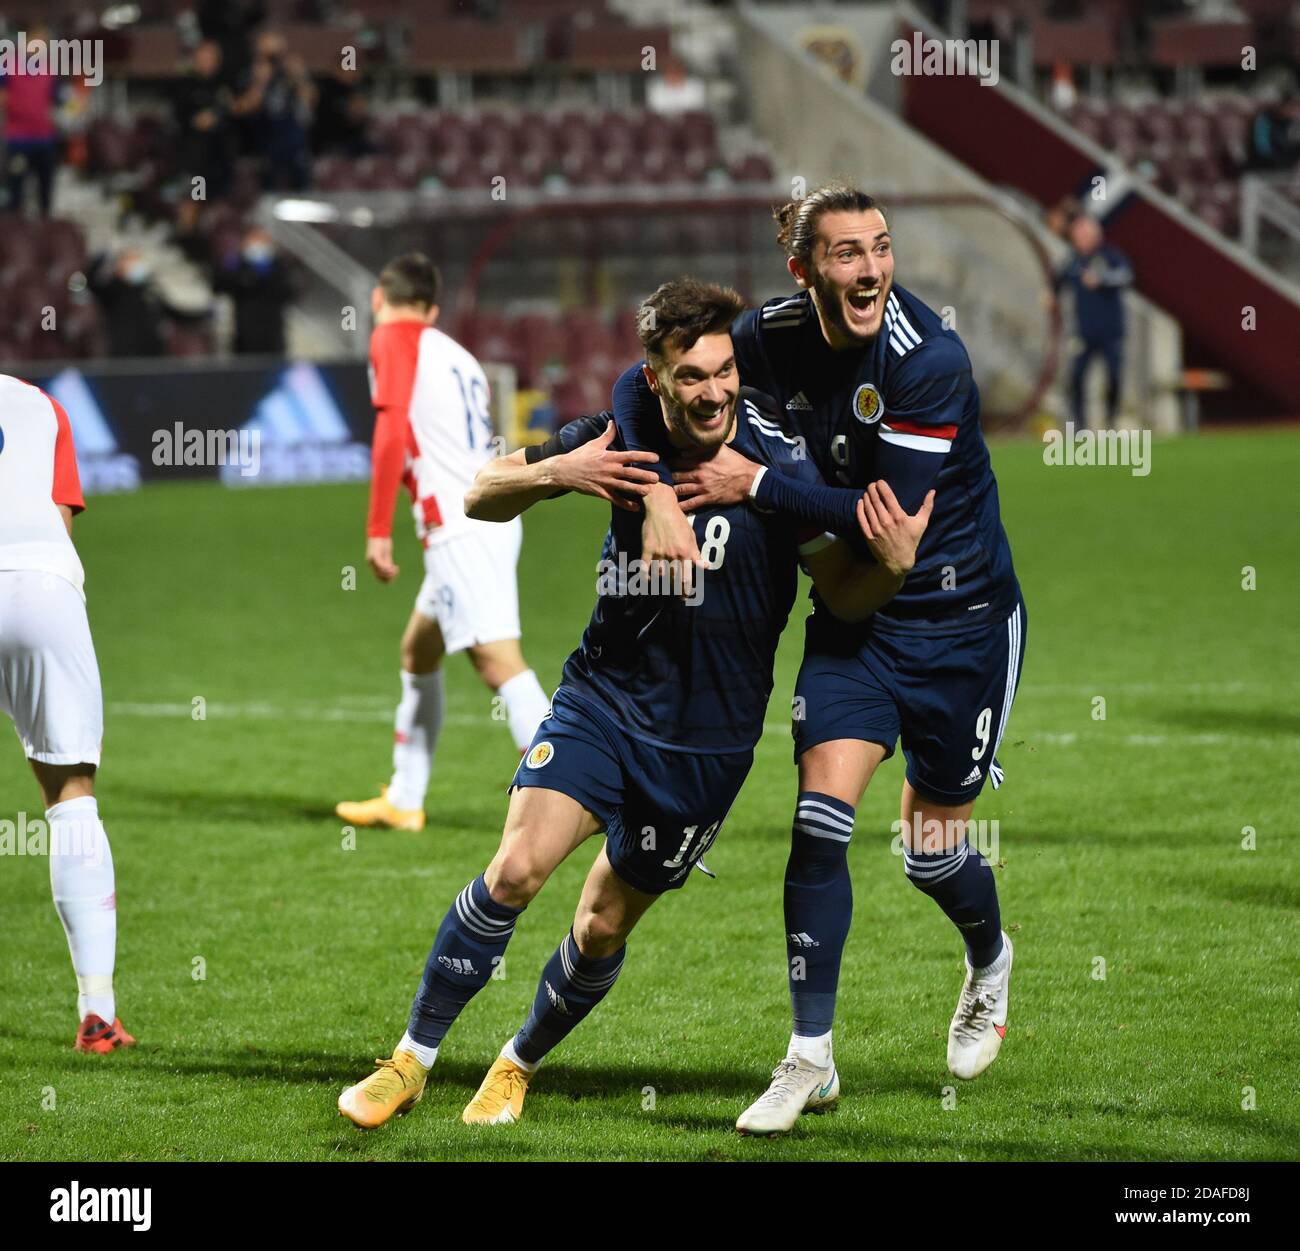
x=469, y=585
x=49, y=678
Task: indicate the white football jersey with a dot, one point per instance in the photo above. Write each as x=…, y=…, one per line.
x=38, y=471
x=452, y=423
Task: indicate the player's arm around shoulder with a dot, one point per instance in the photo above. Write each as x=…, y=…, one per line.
x=666, y=533
x=579, y=457
x=730, y=477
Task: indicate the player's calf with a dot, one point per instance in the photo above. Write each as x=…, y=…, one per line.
x=580, y=973
x=818, y=906
x=502, y=667
x=941, y=863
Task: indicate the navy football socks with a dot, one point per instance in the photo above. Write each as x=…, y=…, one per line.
x=818, y=908
x=961, y=882
x=471, y=939
x=570, y=986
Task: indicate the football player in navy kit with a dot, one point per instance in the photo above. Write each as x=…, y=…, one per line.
x=651, y=732
x=881, y=389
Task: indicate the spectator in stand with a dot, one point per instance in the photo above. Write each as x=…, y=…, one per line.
x=1275, y=136
x=136, y=313
x=230, y=25
x=1097, y=274
x=342, y=116
x=277, y=100
x=262, y=288
x=31, y=132
x=207, y=139
x=1060, y=217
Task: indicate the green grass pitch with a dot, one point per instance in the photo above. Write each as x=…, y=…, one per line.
x=1120, y=840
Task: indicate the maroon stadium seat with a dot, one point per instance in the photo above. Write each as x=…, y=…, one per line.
x=1085, y=41
x=1176, y=42
x=464, y=46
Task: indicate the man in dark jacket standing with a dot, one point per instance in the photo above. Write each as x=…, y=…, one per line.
x=1097, y=274
x=261, y=287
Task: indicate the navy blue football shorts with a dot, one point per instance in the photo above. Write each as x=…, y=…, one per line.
x=948, y=696
x=661, y=809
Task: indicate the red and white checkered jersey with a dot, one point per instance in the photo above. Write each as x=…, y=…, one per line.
x=38, y=471
x=433, y=428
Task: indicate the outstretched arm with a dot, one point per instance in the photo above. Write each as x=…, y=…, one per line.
x=728, y=478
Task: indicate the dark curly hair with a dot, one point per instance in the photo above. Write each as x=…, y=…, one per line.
x=680, y=312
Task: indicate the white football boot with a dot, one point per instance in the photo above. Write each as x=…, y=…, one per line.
x=980, y=1023
x=798, y=1085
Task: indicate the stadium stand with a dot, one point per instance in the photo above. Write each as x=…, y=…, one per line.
x=553, y=98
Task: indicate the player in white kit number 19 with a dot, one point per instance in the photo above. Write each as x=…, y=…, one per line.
x=49, y=686
x=433, y=430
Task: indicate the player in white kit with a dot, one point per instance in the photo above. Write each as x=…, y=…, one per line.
x=433, y=430
x=49, y=686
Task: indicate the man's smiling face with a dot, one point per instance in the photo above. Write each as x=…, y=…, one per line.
x=849, y=273
x=697, y=389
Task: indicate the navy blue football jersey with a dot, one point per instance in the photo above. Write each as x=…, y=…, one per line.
x=904, y=408
x=693, y=675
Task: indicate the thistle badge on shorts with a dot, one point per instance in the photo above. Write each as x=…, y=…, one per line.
x=867, y=406
x=540, y=756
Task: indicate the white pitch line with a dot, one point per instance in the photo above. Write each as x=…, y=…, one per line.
x=262, y=711
x=271, y=712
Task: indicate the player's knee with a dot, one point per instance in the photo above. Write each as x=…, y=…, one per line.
x=598, y=934
x=495, y=669
x=514, y=878
x=60, y=783
x=420, y=655
x=422, y=648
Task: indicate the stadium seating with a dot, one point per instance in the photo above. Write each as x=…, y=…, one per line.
x=49, y=315
x=575, y=356
x=1193, y=150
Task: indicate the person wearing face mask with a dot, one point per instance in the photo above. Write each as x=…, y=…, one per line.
x=260, y=285
x=133, y=308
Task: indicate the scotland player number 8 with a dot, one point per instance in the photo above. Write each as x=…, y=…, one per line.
x=983, y=724
x=714, y=547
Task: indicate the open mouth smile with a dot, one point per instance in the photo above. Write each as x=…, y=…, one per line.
x=863, y=301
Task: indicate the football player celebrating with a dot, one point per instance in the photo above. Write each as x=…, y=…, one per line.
x=882, y=389
x=652, y=730
x=49, y=686
x=433, y=431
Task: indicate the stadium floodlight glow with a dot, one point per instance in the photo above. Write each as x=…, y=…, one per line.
x=305, y=211
x=119, y=15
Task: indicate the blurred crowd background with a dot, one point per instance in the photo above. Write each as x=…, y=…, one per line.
x=244, y=164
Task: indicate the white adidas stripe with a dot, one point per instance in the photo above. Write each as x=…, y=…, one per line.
x=772, y=431
x=1013, y=662
x=834, y=814
x=906, y=327
x=816, y=833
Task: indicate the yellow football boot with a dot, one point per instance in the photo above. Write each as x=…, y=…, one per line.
x=395, y=1086
x=500, y=1099
x=379, y=811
